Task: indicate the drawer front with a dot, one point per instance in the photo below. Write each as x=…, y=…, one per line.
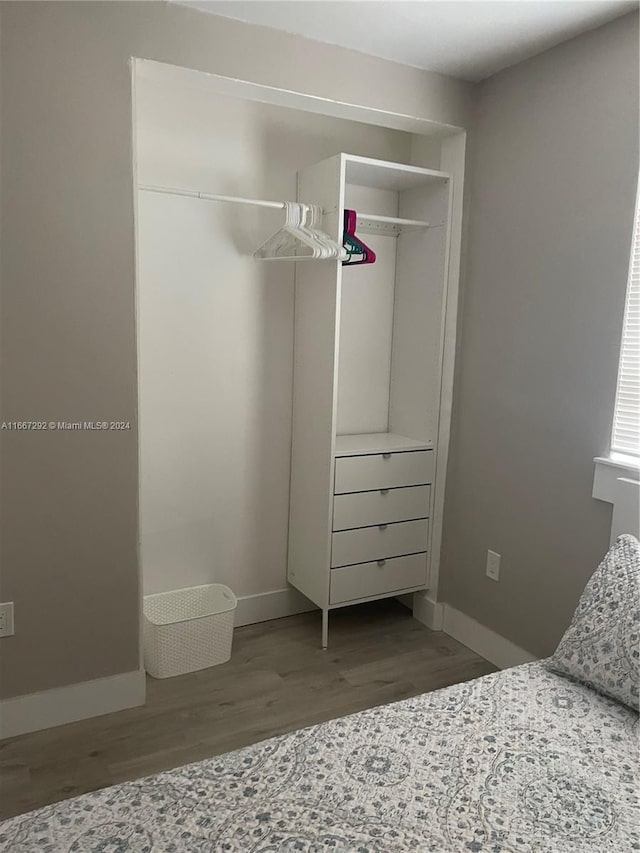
x=361, y=509
x=353, y=582
x=375, y=543
x=383, y=471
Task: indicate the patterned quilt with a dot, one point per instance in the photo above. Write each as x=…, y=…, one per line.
x=522, y=761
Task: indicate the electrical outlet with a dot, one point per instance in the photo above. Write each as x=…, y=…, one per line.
x=493, y=565
x=6, y=619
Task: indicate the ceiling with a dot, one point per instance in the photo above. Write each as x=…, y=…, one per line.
x=470, y=39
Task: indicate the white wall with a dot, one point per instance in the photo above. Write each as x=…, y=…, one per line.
x=216, y=331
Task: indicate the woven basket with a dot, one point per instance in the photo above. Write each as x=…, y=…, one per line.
x=188, y=629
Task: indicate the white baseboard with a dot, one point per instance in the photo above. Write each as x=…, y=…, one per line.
x=427, y=611
x=485, y=642
x=271, y=605
x=48, y=708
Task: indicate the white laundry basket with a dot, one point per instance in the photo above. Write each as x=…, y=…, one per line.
x=188, y=629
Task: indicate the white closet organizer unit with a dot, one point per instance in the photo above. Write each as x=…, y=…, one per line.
x=367, y=377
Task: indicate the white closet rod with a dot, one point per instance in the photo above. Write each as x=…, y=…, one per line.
x=279, y=205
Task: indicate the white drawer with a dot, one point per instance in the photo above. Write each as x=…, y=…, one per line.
x=374, y=543
x=361, y=509
x=383, y=471
x=352, y=582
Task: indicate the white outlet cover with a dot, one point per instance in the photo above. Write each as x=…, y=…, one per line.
x=6, y=619
x=493, y=565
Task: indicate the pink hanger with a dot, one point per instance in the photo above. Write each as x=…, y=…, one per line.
x=354, y=245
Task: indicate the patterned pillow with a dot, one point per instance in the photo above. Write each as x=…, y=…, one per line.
x=601, y=646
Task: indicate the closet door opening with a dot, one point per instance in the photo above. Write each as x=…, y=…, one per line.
x=237, y=460
x=216, y=331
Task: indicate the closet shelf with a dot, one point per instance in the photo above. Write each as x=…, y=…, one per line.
x=387, y=226
x=377, y=442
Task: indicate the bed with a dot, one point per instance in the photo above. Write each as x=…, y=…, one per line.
x=522, y=761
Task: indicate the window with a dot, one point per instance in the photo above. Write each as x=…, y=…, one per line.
x=625, y=438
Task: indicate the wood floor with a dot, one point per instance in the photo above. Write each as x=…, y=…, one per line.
x=278, y=680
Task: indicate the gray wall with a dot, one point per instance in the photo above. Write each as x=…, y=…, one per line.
x=69, y=499
x=554, y=175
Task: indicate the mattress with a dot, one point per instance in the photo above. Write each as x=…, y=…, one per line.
x=521, y=761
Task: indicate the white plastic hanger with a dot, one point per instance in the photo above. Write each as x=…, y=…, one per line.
x=289, y=242
x=306, y=226
x=331, y=249
x=297, y=240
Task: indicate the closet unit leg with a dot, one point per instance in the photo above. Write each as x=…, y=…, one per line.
x=325, y=629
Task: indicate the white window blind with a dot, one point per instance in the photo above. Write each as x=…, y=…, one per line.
x=626, y=421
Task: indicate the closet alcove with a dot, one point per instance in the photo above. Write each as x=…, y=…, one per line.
x=291, y=438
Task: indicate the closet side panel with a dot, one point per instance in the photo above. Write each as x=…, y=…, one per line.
x=317, y=307
x=418, y=316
